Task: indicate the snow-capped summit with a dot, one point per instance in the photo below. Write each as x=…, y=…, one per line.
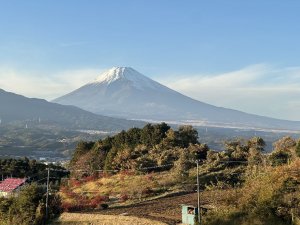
x=128, y=74
x=124, y=92
x=116, y=73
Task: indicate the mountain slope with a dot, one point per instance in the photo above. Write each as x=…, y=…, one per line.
x=19, y=108
x=124, y=92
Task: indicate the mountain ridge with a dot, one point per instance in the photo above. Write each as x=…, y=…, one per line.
x=20, y=108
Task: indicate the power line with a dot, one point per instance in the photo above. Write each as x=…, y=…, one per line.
x=46, y=178
x=154, y=167
x=119, y=170
x=237, y=161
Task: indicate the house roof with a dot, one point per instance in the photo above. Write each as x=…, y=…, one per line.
x=11, y=184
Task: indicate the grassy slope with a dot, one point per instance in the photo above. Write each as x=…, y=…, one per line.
x=239, y=205
x=134, y=187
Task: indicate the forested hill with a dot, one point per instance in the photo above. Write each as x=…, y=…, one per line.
x=151, y=146
x=160, y=146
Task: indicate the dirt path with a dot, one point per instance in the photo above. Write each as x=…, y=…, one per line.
x=167, y=209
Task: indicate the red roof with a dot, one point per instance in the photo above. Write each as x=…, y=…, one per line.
x=11, y=184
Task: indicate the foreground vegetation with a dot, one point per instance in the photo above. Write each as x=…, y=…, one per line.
x=27, y=206
x=240, y=185
x=143, y=163
x=268, y=195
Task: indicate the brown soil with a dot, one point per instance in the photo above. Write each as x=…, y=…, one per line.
x=99, y=219
x=167, y=209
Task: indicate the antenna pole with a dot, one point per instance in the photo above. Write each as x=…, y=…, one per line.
x=47, y=195
x=198, y=192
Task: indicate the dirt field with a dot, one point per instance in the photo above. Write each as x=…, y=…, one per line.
x=167, y=209
x=98, y=219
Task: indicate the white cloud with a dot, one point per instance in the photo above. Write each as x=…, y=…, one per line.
x=259, y=89
x=34, y=84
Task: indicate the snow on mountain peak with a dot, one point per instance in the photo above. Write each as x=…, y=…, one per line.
x=126, y=73
x=113, y=74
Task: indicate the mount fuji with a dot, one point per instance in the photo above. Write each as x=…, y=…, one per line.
x=124, y=92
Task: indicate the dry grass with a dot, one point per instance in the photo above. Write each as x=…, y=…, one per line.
x=120, y=183
x=117, y=185
x=97, y=219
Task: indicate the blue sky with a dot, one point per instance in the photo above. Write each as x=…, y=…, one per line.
x=50, y=47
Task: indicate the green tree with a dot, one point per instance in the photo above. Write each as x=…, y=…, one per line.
x=5, y=204
x=198, y=151
x=152, y=135
x=160, y=132
x=278, y=158
x=170, y=140
x=146, y=135
x=236, y=150
x=285, y=144
x=256, y=147
x=133, y=137
x=298, y=148
x=186, y=135
x=182, y=166
x=108, y=164
x=257, y=143
x=81, y=149
x=25, y=205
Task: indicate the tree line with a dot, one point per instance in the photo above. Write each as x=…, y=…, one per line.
x=153, y=145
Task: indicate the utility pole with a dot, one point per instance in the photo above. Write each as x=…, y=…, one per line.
x=198, y=192
x=47, y=195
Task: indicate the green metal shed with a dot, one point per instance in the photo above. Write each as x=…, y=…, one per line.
x=188, y=213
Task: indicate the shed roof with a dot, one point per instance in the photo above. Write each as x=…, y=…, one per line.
x=184, y=205
x=11, y=184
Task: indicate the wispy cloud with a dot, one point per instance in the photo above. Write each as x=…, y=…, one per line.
x=47, y=86
x=260, y=89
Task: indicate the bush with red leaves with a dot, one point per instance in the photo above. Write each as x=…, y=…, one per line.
x=124, y=197
x=147, y=191
x=75, y=183
x=91, y=178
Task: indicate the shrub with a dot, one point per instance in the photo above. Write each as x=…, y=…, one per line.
x=96, y=201
x=298, y=148
x=124, y=197
x=64, y=189
x=90, y=178
x=75, y=183
x=146, y=191
x=127, y=172
x=104, y=206
x=66, y=206
x=72, y=207
x=150, y=176
x=28, y=208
